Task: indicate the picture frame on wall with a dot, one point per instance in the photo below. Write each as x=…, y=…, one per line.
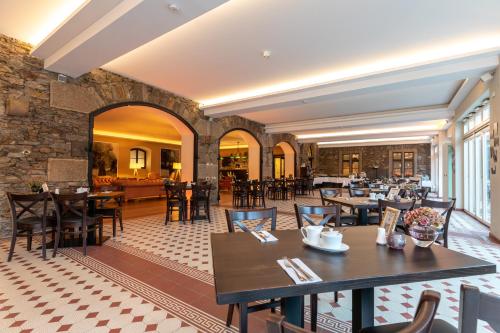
x=390, y=219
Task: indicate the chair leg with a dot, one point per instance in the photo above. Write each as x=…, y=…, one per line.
x=30, y=239
x=12, y=245
x=229, y=319
x=101, y=227
x=273, y=310
x=44, y=244
x=207, y=205
x=84, y=241
x=120, y=219
x=314, y=311
x=336, y=296
x=114, y=225
x=56, y=241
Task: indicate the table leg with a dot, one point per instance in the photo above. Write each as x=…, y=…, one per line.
x=362, y=308
x=293, y=310
x=362, y=216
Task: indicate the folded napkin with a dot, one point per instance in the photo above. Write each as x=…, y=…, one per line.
x=293, y=274
x=268, y=236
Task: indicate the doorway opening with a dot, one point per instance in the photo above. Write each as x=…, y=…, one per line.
x=283, y=160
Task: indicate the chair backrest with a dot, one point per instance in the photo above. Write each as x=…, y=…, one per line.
x=403, y=206
x=176, y=190
x=28, y=204
x=327, y=213
x=277, y=324
x=448, y=207
x=422, y=193
x=238, y=216
x=329, y=192
x=476, y=305
x=74, y=205
x=201, y=191
x=426, y=311
x=359, y=192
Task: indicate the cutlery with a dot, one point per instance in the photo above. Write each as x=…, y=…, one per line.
x=256, y=233
x=262, y=234
x=297, y=267
x=287, y=264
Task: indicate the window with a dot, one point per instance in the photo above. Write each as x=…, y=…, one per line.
x=351, y=164
x=477, y=195
x=137, y=158
x=403, y=164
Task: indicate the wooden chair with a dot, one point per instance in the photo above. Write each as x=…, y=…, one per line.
x=303, y=214
x=403, y=207
x=359, y=192
x=111, y=208
x=474, y=306
x=176, y=201
x=200, y=198
x=329, y=192
x=71, y=213
x=29, y=219
x=423, y=322
x=241, y=194
x=236, y=217
x=277, y=324
x=258, y=194
x=448, y=207
x=421, y=193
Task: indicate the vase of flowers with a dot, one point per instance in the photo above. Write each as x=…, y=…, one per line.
x=424, y=225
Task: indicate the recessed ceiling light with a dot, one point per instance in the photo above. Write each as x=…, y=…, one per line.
x=266, y=54
x=343, y=142
x=173, y=7
x=437, y=125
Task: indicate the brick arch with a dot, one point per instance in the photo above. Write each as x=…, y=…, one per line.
x=188, y=133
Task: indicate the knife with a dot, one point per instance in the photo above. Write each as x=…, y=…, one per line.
x=303, y=272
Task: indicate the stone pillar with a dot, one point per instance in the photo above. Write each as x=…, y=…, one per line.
x=459, y=165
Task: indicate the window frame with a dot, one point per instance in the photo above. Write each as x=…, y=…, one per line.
x=137, y=150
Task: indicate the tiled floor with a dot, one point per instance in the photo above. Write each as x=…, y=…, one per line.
x=158, y=278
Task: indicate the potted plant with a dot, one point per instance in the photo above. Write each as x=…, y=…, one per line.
x=35, y=186
x=424, y=225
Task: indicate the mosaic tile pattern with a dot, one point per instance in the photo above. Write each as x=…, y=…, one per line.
x=62, y=295
x=79, y=294
x=189, y=245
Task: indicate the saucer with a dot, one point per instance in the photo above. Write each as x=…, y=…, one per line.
x=343, y=247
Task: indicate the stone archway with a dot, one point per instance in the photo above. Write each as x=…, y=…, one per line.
x=289, y=156
x=188, y=135
x=254, y=147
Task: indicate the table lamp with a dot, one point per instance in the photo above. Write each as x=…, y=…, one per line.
x=135, y=166
x=177, y=167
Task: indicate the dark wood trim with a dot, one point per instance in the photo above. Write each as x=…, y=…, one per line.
x=97, y=112
x=494, y=239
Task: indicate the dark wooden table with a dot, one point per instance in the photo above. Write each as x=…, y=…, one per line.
x=361, y=204
x=246, y=270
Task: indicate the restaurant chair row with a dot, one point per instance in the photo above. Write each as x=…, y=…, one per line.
x=29, y=213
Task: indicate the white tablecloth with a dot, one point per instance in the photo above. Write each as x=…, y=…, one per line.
x=320, y=180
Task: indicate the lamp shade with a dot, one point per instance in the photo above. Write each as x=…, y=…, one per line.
x=176, y=166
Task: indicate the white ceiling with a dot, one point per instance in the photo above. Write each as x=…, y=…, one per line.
x=343, y=58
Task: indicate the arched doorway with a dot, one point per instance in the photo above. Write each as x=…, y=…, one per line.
x=283, y=160
x=141, y=140
x=239, y=157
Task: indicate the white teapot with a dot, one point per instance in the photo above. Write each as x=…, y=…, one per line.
x=331, y=239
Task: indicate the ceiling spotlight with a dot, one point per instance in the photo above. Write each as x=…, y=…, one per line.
x=266, y=54
x=173, y=7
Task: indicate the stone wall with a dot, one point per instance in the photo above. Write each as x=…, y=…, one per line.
x=330, y=158
x=44, y=122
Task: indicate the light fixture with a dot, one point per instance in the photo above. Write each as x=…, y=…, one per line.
x=437, y=125
x=177, y=166
x=173, y=7
x=445, y=52
x=136, y=165
x=407, y=138
x=266, y=54
x=135, y=137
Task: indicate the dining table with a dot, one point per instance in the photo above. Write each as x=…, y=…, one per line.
x=246, y=270
x=361, y=204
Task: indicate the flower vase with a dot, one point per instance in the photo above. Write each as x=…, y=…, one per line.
x=423, y=236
